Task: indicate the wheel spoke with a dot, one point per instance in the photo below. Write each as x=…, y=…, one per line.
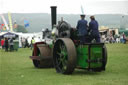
x=58, y=53
x=63, y=55
x=64, y=63
x=59, y=61
x=63, y=51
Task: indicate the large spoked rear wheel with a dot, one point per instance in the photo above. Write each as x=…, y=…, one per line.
x=64, y=56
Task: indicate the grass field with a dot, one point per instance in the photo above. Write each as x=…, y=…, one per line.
x=17, y=69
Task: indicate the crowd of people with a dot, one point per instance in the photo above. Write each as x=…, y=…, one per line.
x=120, y=38
x=7, y=44
x=25, y=43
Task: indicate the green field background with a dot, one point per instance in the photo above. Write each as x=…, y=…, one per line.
x=16, y=68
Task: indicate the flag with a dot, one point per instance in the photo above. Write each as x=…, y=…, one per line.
x=0, y=26
x=4, y=28
x=82, y=10
x=26, y=23
x=15, y=25
x=10, y=21
x=5, y=22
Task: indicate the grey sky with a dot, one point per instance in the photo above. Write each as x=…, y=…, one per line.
x=65, y=6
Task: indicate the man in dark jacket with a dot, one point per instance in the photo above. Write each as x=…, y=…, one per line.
x=11, y=43
x=82, y=28
x=6, y=44
x=93, y=28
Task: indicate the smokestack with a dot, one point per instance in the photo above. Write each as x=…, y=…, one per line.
x=53, y=15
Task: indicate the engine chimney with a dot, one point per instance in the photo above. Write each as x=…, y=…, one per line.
x=53, y=15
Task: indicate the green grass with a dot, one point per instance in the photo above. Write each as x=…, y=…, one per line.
x=17, y=69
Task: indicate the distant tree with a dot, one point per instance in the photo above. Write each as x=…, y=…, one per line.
x=20, y=28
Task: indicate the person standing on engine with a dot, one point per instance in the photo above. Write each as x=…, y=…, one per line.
x=93, y=28
x=82, y=29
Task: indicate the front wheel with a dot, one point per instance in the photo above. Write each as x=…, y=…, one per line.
x=64, y=56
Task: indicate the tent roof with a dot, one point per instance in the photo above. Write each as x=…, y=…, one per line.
x=1, y=33
x=123, y=30
x=9, y=34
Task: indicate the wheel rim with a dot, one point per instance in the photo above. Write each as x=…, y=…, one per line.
x=64, y=61
x=105, y=55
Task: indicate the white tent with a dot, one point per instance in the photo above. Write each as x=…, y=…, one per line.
x=28, y=36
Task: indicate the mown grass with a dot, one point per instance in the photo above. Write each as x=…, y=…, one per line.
x=17, y=69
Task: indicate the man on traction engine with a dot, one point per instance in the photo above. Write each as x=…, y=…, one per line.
x=93, y=29
x=82, y=29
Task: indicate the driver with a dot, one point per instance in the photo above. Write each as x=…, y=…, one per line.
x=82, y=28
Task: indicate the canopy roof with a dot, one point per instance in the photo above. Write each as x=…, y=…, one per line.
x=124, y=31
x=8, y=35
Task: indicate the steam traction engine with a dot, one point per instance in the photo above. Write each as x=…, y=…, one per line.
x=67, y=53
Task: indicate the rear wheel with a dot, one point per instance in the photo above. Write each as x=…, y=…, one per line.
x=105, y=57
x=43, y=54
x=36, y=62
x=64, y=56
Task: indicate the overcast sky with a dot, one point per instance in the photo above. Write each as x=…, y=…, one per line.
x=65, y=6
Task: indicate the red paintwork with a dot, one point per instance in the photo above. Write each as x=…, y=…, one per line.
x=34, y=55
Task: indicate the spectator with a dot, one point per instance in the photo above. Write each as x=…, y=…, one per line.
x=6, y=44
x=32, y=42
x=124, y=38
x=2, y=43
x=23, y=42
x=11, y=43
x=118, y=39
x=26, y=43
x=121, y=39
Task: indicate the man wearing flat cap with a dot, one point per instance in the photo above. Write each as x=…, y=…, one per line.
x=93, y=27
x=82, y=28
